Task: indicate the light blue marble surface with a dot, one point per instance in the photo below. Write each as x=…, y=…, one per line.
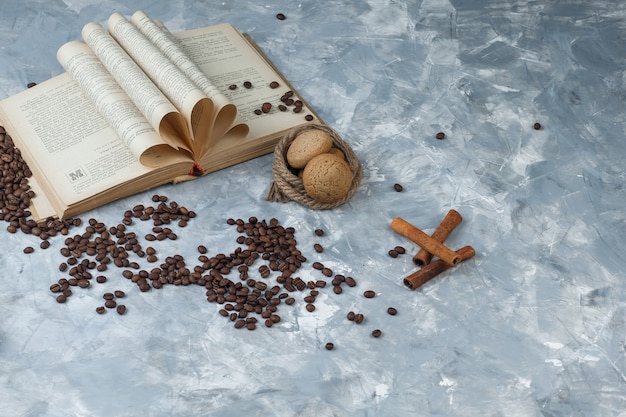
x=534, y=325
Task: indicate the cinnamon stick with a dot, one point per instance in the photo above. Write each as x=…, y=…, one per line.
x=447, y=225
x=420, y=238
x=420, y=277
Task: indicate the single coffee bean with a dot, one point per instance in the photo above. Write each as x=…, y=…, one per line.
x=310, y=307
x=110, y=303
x=440, y=135
x=400, y=250
x=61, y=298
x=351, y=282
x=327, y=271
x=329, y=346
x=393, y=253
x=537, y=126
x=55, y=287
x=247, y=84
x=108, y=296
x=337, y=289
x=308, y=117
x=121, y=309
x=202, y=249
x=318, y=248
x=101, y=279
x=358, y=318
x=377, y=333
x=100, y=310
x=319, y=232
x=318, y=265
x=281, y=16
x=240, y=323
x=232, y=87
x=31, y=85
x=369, y=294
x=266, y=107
x=119, y=293
x=274, y=84
x=29, y=249
x=398, y=187
x=392, y=311
x=350, y=316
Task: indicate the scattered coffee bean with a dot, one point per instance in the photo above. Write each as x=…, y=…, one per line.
x=329, y=346
x=29, y=249
x=358, y=318
x=110, y=304
x=392, y=311
x=281, y=16
x=400, y=250
x=440, y=135
x=369, y=294
x=119, y=293
x=61, y=298
x=351, y=282
x=377, y=332
x=351, y=315
x=274, y=84
x=232, y=87
x=310, y=307
x=398, y=187
x=247, y=84
x=121, y=309
x=258, y=112
x=266, y=107
x=393, y=253
x=31, y=85
x=101, y=310
x=537, y=126
x=55, y=287
x=319, y=232
x=308, y=117
x=108, y=296
x=318, y=248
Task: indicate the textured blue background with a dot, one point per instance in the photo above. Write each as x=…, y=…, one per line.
x=534, y=325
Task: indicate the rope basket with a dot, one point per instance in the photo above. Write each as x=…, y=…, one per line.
x=287, y=186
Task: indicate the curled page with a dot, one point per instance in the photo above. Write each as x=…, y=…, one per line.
x=224, y=117
x=113, y=103
x=152, y=103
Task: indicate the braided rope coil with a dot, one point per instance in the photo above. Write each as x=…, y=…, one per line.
x=287, y=186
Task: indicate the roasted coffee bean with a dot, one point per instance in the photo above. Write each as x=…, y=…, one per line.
x=329, y=346
x=537, y=126
x=377, y=332
x=121, y=309
x=266, y=107
x=282, y=107
x=202, y=249
x=310, y=307
x=55, y=287
x=351, y=315
x=319, y=232
x=318, y=265
x=61, y=298
x=247, y=84
x=45, y=244
x=280, y=16
x=232, y=87
x=337, y=289
x=101, y=310
x=29, y=249
x=258, y=112
x=108, y=296
x=440, y=135
x=400, y=250
x=369, y=294
x=31, y=85
x=119, y=293
x=392, y=311
x=274, y=84
x=351, y=282
x=318, y=248
x=101, y=279
x=240, y=323
x=393, y=253
x=358, y=318
x=327, y=271
x=308, y=118
x=110, y=304
x=398, y=187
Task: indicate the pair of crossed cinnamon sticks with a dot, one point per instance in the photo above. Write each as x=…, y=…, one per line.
x=431, y=246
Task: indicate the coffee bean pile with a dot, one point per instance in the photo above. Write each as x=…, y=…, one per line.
x=16, y=195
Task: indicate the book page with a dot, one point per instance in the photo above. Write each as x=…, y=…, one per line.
x=152, y=103
x=195, y=106
x=228, y=59
x=112, y=102
x=224, y=118
x=70, y=147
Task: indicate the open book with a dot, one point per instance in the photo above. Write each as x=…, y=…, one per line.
x=139, y=106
